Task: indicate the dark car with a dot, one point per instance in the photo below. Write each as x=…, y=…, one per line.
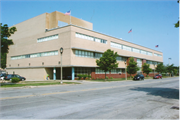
x=138, y=77
x=10, y=76
x=158, y=76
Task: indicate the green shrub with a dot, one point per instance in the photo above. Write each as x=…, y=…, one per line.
x=111, y=77
x=84, y=76
x=15, y=80
x=80, y=76
x=107, y=77
x=89, y=76
x=163, y=74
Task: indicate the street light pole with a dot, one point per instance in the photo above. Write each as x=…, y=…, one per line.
x=125, y=70
x=169, y=60
x=61, y=51
x=154, y=68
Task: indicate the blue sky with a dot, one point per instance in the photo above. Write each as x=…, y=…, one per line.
x=152, y=21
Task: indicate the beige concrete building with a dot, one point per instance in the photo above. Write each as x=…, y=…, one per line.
x=37, y=43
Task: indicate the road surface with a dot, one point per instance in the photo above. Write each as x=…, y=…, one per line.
x=148, y=99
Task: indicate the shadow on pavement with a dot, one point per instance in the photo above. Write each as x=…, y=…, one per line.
x=163, y=92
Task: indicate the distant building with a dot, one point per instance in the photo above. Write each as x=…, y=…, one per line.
x=37, y=43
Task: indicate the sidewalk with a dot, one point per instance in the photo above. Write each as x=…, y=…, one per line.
x=78, y=81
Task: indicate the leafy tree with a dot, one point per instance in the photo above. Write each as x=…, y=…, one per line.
x=146, y=69
x=160, y=68
x=177, y=24
x=3, y=60
x=170, y=68
x=132, y=68
x=5, y=42
x=175, y=71
x=107, y=61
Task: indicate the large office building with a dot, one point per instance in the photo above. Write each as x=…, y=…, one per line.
x=37, y=43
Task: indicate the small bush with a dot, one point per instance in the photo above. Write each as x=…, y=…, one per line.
x=15, y=80
x=111, y=77
x=84, y=76
x=107, y=77
x=89, y=76
x=80, y=76
x=163, y=74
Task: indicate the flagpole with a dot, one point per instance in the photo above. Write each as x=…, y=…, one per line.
x=132, y=37
x=70, y=17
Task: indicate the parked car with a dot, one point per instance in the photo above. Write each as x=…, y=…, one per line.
x=138, y=77
x=158, y=76
x=2, y=76
x=10, y=76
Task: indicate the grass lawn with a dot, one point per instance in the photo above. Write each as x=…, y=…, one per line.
x=34, y=83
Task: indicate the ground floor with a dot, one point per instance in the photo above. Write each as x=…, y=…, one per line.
x=69, y=73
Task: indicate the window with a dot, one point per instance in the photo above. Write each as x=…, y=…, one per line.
x=126, y=48
x=143, y=52
x=139, y=64
x=148, y=62
x=116, y=45
x=149, y=53
x=91, y=38
x=116, y=71
x=81, y=70
x=136, y=50
x=51, y=53
x=52, y=37
x=99, y=71
x=82, y=53
x=157, y=55
x=121, y=58
x=98, y=55
x=97, y=40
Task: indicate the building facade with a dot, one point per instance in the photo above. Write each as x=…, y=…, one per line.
x=37, y=43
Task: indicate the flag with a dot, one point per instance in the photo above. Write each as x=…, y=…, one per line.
x=130, y=31
x=68, y=13
x=157, y=46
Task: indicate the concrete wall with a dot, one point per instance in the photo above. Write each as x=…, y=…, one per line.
x=53, y=18
x=30, y=73
x=95, y=46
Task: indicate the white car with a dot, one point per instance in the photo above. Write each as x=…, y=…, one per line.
x=2, y=76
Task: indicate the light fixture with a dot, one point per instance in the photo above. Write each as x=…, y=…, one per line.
x=61, y=50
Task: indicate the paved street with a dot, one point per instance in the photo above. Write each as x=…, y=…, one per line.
x=148, y=99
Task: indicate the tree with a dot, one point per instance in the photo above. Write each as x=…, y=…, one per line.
x=160, y=68
x=170, y=68
x=132, y=68
x=146, y=69
x=175, y=71
x=5, y=42
x=177, y=24
x=107, y=61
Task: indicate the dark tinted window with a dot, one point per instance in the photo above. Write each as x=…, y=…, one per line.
x=9, y=75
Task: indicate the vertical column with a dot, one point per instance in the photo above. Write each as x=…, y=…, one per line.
x=54, y=73
x=72, y=73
